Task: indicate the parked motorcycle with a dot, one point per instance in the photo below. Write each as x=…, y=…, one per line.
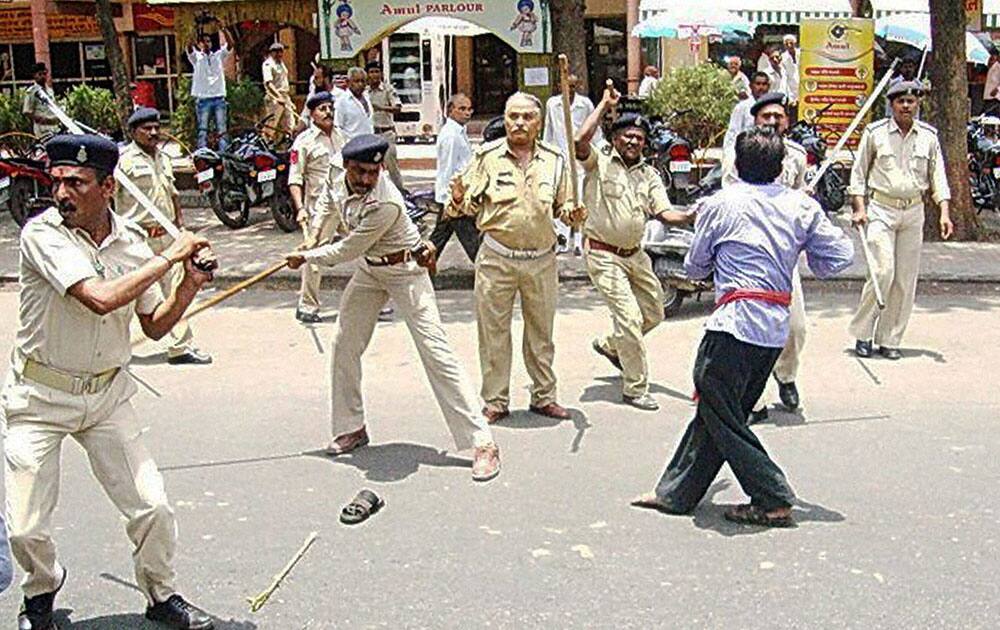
x=249, y=173
x=667, y=246
x=670, y=154
x=421, y=208
x=831, y=190
x=984, y=163
x=25, y=187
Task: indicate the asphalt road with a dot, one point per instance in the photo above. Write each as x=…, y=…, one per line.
x=895, y=464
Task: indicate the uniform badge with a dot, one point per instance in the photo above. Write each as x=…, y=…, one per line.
x=294, y=156
x=81, y=155
x=99, y=268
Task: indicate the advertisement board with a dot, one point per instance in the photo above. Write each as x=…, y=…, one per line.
x=836, y=73
x=346, y=27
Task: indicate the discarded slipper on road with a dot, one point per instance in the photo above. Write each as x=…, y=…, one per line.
x=363, y=505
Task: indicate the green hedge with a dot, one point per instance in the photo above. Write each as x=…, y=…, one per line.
x=704, y=89
x=11, y=118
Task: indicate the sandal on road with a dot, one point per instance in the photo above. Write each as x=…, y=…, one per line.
x=753, y=515
x=363, y=505
x=650, y=501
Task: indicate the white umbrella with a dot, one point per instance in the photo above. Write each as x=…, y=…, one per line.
x=687, y=20
x=914, y=29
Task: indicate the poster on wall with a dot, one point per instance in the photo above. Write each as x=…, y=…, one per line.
x=346, y=27
x=836, y=74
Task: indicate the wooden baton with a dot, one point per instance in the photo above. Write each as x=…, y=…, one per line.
x=568, y=124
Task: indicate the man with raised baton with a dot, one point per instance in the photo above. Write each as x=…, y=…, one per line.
x=392, y=260
x=85, y=272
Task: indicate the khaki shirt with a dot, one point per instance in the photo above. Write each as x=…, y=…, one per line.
x=793, y=167
x=383, y=96
x=33, y=104
x=309, y=163
x=516, y=206
x=153, y=175
x=620, y=198
x=898, y=166
x=375, y=223
x=276, y=74
x=56, y=329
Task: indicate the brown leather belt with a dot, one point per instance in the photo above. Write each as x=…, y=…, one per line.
x=155, y=231
x=394, y=258
x=601, y=246
x=384, y=129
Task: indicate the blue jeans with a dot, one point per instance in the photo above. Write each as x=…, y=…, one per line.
x=205, y=109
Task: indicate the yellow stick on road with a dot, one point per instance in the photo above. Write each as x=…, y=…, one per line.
x=256, y=603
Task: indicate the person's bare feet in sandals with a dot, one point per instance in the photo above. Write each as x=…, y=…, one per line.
x=650, y=501
x=749, y=514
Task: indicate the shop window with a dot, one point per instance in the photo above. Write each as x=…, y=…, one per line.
x=405, y=66
x=65, y=60
x=95, y=61
x=24, y=58
x=155, y=68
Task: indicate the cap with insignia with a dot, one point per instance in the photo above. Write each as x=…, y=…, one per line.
x=494, y=130
x=318, y=99
x=88, y=150
x=373, y=65
x=629, y=120
x=368, y=149
x=276, y=46
x=142, y=116
x=905, y=88
x=771, y=98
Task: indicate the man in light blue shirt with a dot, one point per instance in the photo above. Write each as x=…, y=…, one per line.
x=453, y=154
x=749, y=237
x=208, y=86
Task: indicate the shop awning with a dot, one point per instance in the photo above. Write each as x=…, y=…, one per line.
x=881, y=8
x=766, y=11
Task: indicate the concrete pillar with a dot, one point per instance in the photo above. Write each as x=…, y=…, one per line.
x=40, y=31
x=633, y=51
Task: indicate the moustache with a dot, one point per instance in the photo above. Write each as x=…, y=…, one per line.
x=66, y=207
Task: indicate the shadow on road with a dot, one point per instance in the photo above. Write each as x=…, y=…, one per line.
x=132, y=621
x=609, y=389
x=782, y=418
x=394, y=461
x=709, y=515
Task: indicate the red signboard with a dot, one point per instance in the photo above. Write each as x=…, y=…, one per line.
x=146, y=18
x=15, y=25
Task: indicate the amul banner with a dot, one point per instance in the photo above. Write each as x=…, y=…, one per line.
x=347, y=27
x=836, y=73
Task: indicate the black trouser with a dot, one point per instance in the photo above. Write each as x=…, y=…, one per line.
x=464, y=227
x=729, y=376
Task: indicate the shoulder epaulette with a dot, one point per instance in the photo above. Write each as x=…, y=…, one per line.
x=878, y=124
x=489, y=146
x=795, y=146
x=926, y=127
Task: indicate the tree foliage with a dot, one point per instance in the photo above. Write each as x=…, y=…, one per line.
x=94, y=107
x=704, y=92
x=11, y=118
x=245, y=101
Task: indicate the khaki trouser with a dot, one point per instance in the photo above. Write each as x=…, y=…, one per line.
x=311, y=274
x=633, y=294
x=787, y=367
x=895, y=237
x=410, y=288
x=180, y=337
x=36, y=419
x=283, y=116
x=391, y=161
x=498, y=281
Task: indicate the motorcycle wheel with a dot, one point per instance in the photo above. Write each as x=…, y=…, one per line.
x=283, y=212
x=672, y=299
x=21, y=192
x=234, y=214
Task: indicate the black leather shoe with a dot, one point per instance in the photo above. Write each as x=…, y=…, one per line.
x=758, y=416
x=190, y=357
x=385, y=315
x=863, y=349
x=307, y=318
x=176, y=612
x=789, y=394
x=36, y=612
x=893, y=354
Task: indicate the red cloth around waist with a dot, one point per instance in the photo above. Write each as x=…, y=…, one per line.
x=780, y=298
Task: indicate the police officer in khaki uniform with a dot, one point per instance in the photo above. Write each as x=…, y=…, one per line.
x=621, y=193
x=150, y=169
x=898, y=159
x=771, y=109
x=85, y=272
x=515, y=187
x=385, y=104
x=277, y=99
x=308, y=171
x=392, y=256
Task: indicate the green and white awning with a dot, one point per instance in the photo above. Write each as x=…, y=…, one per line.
x=882, y=8
x=765, y=11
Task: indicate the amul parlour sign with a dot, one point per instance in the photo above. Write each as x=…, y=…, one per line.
x=350, y=26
